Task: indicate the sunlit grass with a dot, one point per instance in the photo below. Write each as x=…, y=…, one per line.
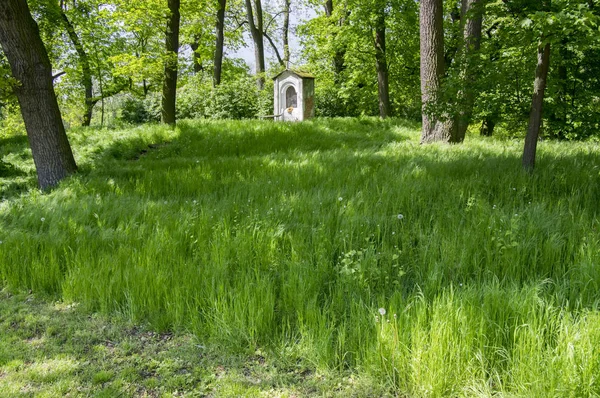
x=290, y=237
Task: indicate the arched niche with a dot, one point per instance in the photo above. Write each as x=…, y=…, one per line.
x=291, y=97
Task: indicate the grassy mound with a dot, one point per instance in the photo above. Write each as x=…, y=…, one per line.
x=436, y=270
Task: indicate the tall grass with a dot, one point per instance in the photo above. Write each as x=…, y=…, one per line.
x=291, y=237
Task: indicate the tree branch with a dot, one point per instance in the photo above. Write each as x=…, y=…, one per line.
x=59, y=74
x=114, y=90
x=272, y=19
x=274, y=49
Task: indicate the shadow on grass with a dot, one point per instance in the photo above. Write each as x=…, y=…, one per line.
x=16, y=141
x=55, y=349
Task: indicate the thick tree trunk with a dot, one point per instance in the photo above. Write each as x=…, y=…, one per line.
x=169, y=94
x=535, y=117
x=256, y=30
x=220, y=41
x=86, y=70
x=30, y=65
x=382, y=67
x=472, y=11
x=432, y=68
x=286, y=33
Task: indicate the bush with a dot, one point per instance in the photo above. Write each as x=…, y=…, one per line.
x=234, y=100
x=134, y=111
x=230, y=100
x=11, y=122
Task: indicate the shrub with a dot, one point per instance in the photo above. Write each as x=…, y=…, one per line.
x=134, y=111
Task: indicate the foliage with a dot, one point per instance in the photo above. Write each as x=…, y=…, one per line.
x=289, y=238
x=354, y=91
x=134, y=111
x=11, y=122
x=508, y=60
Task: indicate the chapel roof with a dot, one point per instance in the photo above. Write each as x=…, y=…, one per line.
x=301, y=74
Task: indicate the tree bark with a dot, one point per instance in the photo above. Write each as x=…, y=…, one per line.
x=30, y=66
x=169, y=94
x=86, y=70
x=256, y=30
x=382, y=67
x=472, y=12
x=535, y=117
x=196, y=59
x=220, y=41
x=432, y=68
x=286, y=33
x=339, y=52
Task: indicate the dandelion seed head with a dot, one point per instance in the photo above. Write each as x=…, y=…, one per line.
x=400, y=216
x=382, y=311
x=43, y=219
x=340, y=198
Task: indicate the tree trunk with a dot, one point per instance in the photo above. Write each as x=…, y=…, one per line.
x=561, y=108
x=382, y=67
x=472, y=11
x=340, y=52
x=218, y=63
x=86, y=70
x=286, y=33
x=256, y=30
x=30, y=66
x=432, y=68
x=172, y=48
x=196, y=59
x=487, y=126
x=535, y=117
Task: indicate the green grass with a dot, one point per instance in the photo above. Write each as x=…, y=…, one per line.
x=51, y=349
x=286, y=238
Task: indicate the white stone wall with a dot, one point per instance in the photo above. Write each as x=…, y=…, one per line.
x=285, y=80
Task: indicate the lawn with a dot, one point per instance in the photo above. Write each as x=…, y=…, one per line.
x=333, y=247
